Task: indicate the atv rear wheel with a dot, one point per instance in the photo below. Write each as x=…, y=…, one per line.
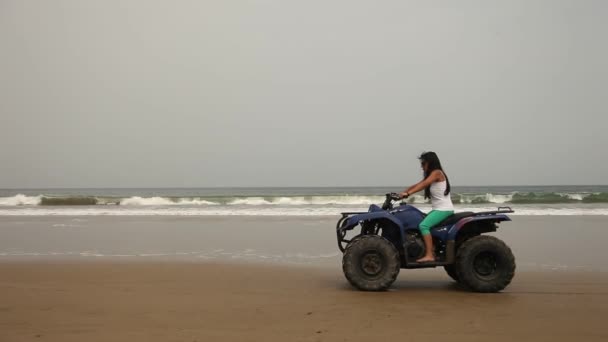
x=451, y=271
x=371, y=263
x=485, y=264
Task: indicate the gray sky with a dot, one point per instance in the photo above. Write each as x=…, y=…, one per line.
x=301, y=93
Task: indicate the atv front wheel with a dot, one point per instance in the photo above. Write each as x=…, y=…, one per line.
x=371, y=263
x=485, y=264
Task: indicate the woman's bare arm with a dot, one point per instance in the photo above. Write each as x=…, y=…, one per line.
x=435, y=176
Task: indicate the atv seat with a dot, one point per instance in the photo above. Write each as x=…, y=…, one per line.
x=455, y=218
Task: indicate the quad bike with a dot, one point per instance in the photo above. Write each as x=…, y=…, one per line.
x=389, y=239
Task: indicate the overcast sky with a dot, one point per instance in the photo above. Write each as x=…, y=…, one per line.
x=301, y=93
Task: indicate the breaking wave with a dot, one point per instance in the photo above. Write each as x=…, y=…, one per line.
x=312, y=200
x=160, y=201
x=530, y=198
x=20, y=199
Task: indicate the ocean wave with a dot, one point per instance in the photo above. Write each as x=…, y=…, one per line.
x=20, y=199
x=249, y=201
x=529, y=198
x=78, y=200
x=312, y=200
x=482, y=198
x=136, y=200
x=346, y=200
x=601, y=197
x=160, y=201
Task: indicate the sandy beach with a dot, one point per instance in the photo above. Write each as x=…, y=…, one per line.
x=279, y=279
x=156, y=301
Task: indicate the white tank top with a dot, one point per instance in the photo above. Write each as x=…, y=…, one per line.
x=439, y=201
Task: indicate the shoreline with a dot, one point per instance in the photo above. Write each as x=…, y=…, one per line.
x=539, y=243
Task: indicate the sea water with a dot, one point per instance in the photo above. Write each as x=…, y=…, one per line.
x=311, y=201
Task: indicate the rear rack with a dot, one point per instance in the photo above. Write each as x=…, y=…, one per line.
x=500, y=210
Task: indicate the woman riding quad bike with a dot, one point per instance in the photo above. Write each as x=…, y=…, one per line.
x=391, y=238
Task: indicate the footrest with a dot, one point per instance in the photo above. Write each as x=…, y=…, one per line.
x=426, y=264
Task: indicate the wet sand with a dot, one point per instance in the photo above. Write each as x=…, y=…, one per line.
x=539, y=242
x=185, y=301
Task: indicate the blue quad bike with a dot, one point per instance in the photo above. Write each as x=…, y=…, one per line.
x=388, y=239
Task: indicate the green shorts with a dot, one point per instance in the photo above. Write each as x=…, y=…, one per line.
x=432, y=219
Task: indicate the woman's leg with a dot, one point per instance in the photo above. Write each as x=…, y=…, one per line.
x=431, y=220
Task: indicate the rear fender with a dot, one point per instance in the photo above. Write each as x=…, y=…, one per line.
x=476, y=221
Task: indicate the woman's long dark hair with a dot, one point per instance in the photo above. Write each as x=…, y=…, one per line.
x=433, y=163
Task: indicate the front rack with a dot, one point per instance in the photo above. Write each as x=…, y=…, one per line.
x=353, y=213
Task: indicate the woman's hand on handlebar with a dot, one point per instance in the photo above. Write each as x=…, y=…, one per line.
x=395, y=196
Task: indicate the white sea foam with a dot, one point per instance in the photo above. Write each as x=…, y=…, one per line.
x=136, y=200
x=290, y=201
x=195, y=201
x=492, y=198
x=249, y=201
x=485, y=198
x=346, y=200
x=577, y=197
x=162, y=201
x=352, y=200
x=343, y=200
x=313, y=200
x=20, y=199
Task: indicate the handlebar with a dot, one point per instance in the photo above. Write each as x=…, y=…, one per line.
x=388, y=202
x=395, y=196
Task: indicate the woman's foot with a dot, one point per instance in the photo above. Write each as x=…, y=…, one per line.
x=426, y=258
x=428, y=252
